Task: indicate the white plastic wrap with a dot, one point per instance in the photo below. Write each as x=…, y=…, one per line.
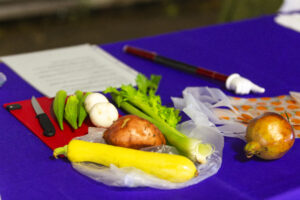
x=132, y=177
x=201, y=104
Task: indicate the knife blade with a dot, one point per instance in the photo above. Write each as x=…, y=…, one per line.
x=43, y=118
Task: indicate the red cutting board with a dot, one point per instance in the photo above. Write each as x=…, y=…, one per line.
x=28, y=117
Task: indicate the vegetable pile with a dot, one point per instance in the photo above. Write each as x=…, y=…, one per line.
x=149, y=124
x=144, y=102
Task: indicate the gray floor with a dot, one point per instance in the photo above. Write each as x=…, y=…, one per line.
x=105, y=25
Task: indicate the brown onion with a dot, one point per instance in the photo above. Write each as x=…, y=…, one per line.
x=269, y=136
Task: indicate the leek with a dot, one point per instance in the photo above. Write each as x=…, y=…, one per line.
x=144, y=103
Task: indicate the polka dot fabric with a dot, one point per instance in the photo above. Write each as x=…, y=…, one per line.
x=249, y=108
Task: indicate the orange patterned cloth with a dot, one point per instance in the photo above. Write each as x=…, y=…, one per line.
x=249, y=108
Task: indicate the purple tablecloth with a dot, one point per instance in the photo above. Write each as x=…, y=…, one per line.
x=257, y=49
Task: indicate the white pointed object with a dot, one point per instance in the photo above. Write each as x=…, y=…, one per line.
x=241, y=85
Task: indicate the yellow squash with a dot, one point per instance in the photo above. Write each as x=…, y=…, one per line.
x=174, y=168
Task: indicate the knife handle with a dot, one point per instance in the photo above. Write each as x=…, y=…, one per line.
x=46, y=124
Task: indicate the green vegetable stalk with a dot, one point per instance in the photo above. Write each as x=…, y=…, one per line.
x=59, y=107
x=71, y=111
x=82, y=114
x=144, y=103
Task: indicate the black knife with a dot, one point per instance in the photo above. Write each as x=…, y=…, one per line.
x=43, y=118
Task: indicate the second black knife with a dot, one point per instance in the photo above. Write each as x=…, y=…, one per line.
x=43, y=118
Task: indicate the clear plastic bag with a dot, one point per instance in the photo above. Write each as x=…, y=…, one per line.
x=201, y=104
x=132, y=177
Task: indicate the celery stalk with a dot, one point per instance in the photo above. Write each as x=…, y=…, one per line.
x=145, y=104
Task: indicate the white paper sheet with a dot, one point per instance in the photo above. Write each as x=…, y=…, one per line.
x=291, y=21
x=83, y=67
